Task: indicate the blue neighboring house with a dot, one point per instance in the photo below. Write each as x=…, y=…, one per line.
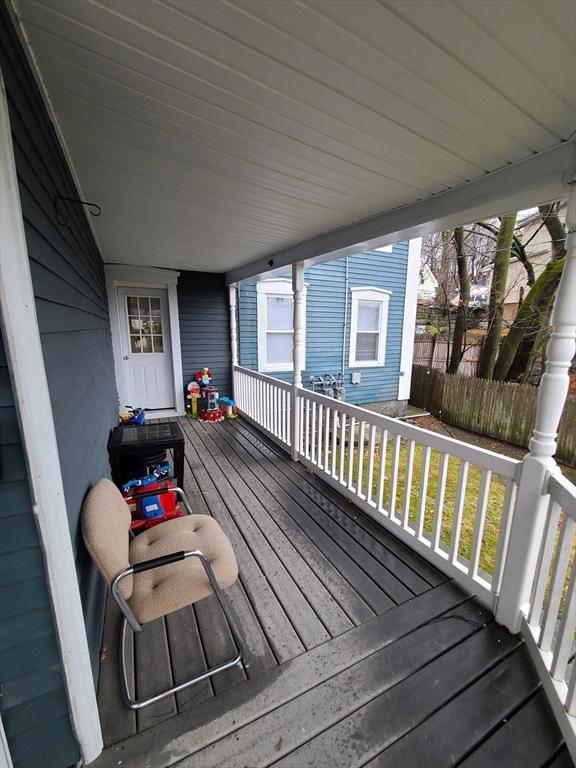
x=359, y=325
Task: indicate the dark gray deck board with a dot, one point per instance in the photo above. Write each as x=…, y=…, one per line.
x=326, y=608
x=524, y=739
x=335, y=674
x=187, y=656
x=302, y=538
x=304, y=619
x=153, y=673
x=118, y=722
x=224, y=714
x=300, y=484
x=317, y=489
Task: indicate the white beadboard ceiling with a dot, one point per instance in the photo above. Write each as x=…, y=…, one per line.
x=216, y=134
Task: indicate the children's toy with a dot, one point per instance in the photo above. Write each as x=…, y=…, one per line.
x=203, y=377
x=147, y=480
x=193, y=395
x=229, y=405
x=133, y=416
x=212, y=412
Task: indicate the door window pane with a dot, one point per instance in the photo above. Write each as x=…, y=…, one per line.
x=278, y=348
x=145, y=324
x=280, y=313
x=367, y=346
x=144, y=305
x=368, y=315
x=132, y=303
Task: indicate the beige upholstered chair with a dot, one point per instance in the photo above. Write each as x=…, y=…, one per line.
x=160, y=571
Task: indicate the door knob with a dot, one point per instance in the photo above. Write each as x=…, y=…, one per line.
x=125, y=357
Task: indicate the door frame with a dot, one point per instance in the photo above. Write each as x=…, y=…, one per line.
x=126, y=276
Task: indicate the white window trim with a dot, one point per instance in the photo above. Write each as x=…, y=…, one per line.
x=369, y=293
x=278, y=286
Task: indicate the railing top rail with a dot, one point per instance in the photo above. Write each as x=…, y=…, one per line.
x=501, y=465
x=269, y=379
x=563, y=492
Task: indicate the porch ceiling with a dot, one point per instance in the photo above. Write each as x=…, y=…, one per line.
x=214, y=134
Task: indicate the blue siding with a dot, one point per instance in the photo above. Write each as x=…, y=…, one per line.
x=71, y=305
x=205, y=327
x=32, y=701
x=325, y=309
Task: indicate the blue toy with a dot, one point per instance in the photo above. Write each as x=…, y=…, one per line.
x=230, y=405
x=143, y=482
x=151, y=507
x=134, y=416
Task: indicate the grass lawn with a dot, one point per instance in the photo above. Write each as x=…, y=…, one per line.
x=493, y=509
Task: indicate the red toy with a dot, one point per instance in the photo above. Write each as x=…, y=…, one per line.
x=212, y=412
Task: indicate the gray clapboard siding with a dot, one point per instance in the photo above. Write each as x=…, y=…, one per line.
x=33, y=699
x=72, y=310
x=325, y=312
x=205, y=327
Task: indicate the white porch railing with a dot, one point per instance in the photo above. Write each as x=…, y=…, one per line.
x=264, y=401
x=551, y=621
x=450, y=501
x=428, y=488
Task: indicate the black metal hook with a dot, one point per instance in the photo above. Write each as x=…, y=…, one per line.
x=94, y=209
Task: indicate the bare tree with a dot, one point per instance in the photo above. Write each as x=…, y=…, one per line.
x=489, y=351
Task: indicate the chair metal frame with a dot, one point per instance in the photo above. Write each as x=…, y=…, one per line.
x=129, y=619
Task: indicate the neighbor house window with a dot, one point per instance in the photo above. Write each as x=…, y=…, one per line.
x=275, y=325
x=369, y=320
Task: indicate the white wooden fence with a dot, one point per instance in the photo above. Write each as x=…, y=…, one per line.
x=427, y=488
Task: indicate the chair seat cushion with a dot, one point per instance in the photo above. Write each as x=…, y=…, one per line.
x=166, y=589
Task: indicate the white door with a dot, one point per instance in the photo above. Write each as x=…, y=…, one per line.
x=146, y=351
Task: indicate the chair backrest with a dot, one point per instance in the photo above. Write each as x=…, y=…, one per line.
x=105, y=527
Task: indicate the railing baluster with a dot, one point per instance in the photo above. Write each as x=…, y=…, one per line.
x=395, y=472
x=313, y=448
x=479, y=522
x=382, y=469
x=371, y=449
x=307, y=452
x=361, y=437
x=351, y=449
x=334, y=440
x=327, y=415
x=559, y=568
x=320, y=435
x=408, y=485
x=504, y=534
x=439, y=507
x=565, y=638
x=544, y=561
x=303, y=405
x=342, y=446
x=421, y=513
x=458, y=510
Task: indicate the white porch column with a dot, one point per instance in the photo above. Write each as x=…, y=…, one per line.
x=528, y=522
x=232, y=303
x=298, y=349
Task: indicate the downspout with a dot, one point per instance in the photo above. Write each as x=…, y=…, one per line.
x=346, y=285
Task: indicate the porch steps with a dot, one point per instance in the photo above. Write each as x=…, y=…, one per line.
x=429, y=683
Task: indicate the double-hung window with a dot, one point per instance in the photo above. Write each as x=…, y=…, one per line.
x=369, y=320
x=275, y=325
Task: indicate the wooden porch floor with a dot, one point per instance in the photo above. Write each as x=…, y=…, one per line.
x=357, y=652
